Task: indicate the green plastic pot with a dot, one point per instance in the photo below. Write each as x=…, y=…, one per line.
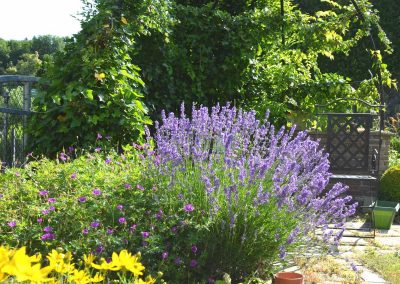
x=383, y=213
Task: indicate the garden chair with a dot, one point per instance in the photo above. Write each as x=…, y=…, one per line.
x=353, y=156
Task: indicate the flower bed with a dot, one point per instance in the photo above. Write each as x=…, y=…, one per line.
x=218, y=193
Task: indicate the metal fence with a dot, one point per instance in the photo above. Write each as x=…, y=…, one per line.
x=15, y=107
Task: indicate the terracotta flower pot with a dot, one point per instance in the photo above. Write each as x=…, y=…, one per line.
x=289, y=278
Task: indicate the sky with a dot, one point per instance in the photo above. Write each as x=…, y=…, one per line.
x=20, y=19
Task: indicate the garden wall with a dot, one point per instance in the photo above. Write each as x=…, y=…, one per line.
x=362, y=190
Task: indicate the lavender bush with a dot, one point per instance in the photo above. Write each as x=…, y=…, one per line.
x=248, y=194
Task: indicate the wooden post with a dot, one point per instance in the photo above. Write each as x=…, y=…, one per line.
x=26, y=107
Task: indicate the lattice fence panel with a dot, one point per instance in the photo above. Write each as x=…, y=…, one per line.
x=348, y=142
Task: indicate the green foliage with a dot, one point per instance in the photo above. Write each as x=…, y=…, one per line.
x=394, y=158
x=47, y=44
x=55, y=205
x=381, y=17
x=395, y=143
x=93, y=85
x=29, y=64
x=390, y=184
x=25, y=51
x=233, y=51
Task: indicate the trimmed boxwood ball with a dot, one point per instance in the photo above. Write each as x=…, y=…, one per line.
x=390, y=184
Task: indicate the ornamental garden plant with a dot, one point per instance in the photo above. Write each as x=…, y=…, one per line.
x=218, y=193
x=21, y=267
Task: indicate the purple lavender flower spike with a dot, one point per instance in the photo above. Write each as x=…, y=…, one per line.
x=244, y=163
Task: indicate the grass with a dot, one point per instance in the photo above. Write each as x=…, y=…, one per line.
x=386, y=264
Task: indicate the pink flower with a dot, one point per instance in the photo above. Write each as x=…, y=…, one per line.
x=63, y=157
x=82, y=199
x=96, y=191
x=188, y=208
x=47, y=229
x=132, y=228
x=95, y=224
x=193, y=263
x=48, y=236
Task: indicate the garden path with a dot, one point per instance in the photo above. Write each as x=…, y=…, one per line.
x=353, y=244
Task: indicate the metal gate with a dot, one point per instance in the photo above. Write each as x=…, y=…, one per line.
x=15, y=106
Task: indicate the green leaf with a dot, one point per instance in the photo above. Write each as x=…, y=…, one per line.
x=89, y=94
x=126, y=74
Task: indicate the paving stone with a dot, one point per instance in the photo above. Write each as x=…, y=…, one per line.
x=355, y=241
x=371, y=277
x=389, y=241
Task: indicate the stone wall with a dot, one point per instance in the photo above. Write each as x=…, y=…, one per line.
x=365, y=191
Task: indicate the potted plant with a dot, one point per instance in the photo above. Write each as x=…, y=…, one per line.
x=383, y=213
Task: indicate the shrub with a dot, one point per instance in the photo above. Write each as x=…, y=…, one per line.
x=249, y=194
x=395, y=143
x=93, y=85
x=94, y=203
x=390, y=184
x=90, y=204
x=394, y=158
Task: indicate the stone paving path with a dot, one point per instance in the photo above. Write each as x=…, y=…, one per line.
x=356, y=241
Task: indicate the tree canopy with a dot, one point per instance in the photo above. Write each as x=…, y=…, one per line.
x=132, y=56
